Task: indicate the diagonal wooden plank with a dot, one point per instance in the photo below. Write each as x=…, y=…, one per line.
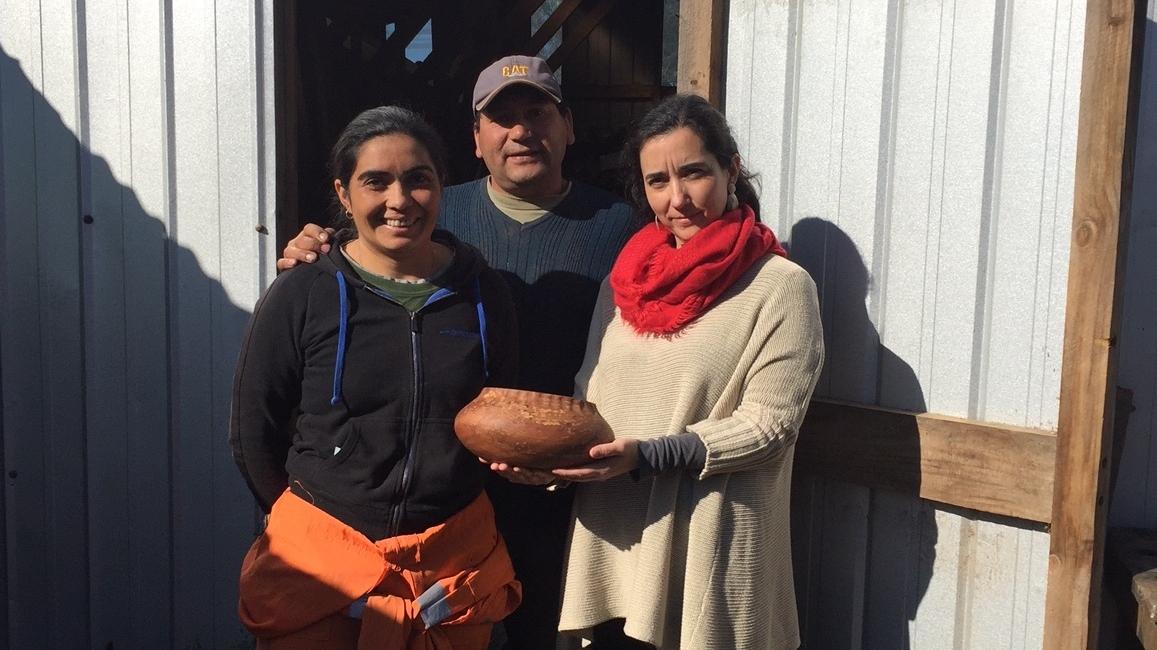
x=551, y=26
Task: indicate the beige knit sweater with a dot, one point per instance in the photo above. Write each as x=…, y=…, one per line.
x=699, y=561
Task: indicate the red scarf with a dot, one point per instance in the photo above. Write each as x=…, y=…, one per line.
x=659, y=288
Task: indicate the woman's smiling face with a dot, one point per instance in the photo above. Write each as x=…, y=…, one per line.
x=685, y=185
x=393, y=195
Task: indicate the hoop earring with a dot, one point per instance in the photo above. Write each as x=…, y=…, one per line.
x=658, y=226
x=732, y=200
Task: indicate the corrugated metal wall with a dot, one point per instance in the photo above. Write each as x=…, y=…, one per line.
x=919, y=157
x=135, y=164
x=1135, y=497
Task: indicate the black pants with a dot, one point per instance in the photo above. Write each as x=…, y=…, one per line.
x=535, y=523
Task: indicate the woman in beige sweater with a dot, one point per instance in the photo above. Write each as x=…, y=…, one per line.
x=704, y=348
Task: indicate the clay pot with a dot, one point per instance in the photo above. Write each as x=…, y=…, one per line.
x=528, y=429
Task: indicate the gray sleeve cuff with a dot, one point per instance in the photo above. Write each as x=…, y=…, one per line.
x=684, y=451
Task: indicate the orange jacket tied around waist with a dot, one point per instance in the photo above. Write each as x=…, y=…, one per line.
x=308, y=566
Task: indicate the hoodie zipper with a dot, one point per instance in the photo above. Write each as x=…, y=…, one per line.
x=413, y=425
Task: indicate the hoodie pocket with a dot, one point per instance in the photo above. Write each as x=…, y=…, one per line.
x=375, y=443
x=343, y=444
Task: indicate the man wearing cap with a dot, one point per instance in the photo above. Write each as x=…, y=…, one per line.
x=554, y=240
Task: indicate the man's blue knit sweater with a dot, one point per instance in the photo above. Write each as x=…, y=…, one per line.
x=553, y=265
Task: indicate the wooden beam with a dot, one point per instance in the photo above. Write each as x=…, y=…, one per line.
x=578, y=32
x=992, y=468
x=1088, y=368
x=551, y=26
x=702, y=40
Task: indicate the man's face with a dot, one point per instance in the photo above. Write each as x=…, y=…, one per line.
x=522, y=137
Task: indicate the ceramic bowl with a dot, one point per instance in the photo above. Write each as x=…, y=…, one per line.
x=528, y=429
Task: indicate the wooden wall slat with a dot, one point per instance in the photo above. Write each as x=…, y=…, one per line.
x=555, y=22
x=702, y=42
x=986, y=467
x=1085, y=426
x=578, y=31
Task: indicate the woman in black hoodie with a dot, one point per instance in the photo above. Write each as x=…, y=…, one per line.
x=349, y=378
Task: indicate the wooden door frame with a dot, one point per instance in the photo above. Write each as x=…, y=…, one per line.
x=1077, y=461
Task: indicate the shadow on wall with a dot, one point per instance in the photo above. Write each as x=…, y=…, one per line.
x=125, y=517
x=863, y=556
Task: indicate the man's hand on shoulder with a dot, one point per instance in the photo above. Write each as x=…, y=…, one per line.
x=305, y=247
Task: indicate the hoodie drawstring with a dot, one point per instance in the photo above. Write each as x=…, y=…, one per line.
x=481, y=325
x=342, y=327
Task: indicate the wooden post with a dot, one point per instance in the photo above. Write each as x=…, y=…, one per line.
x=1088, y=369
x=702, y=34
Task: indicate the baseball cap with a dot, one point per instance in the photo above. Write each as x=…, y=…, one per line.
x=509, y=70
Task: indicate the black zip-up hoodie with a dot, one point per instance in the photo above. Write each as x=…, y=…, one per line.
x=348, y=399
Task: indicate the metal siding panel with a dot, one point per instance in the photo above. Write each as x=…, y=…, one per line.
x=1060, y=175
x=814, y=192
x=910, y=274
x=759, y=39
x=838, y=619
x=5, y=65
x=106, y=121
x=1036, y=570
x=955, y=120
x=105, y=158
x=858, y=101
x=127, y=355
x=1030, y=219
x=804, y=551
x=237, y=238
x=966, y=78
x=146, y=243
x=1006, y=607
x=1062, y=196
x=20, y=337
x=267, y=250
x=903, y=545
x=990, y=608
x=61, y=316
x=204, y=608
x=1031, y=579
x=934, y=625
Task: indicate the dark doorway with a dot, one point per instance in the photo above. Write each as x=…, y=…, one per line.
x=337, y=59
